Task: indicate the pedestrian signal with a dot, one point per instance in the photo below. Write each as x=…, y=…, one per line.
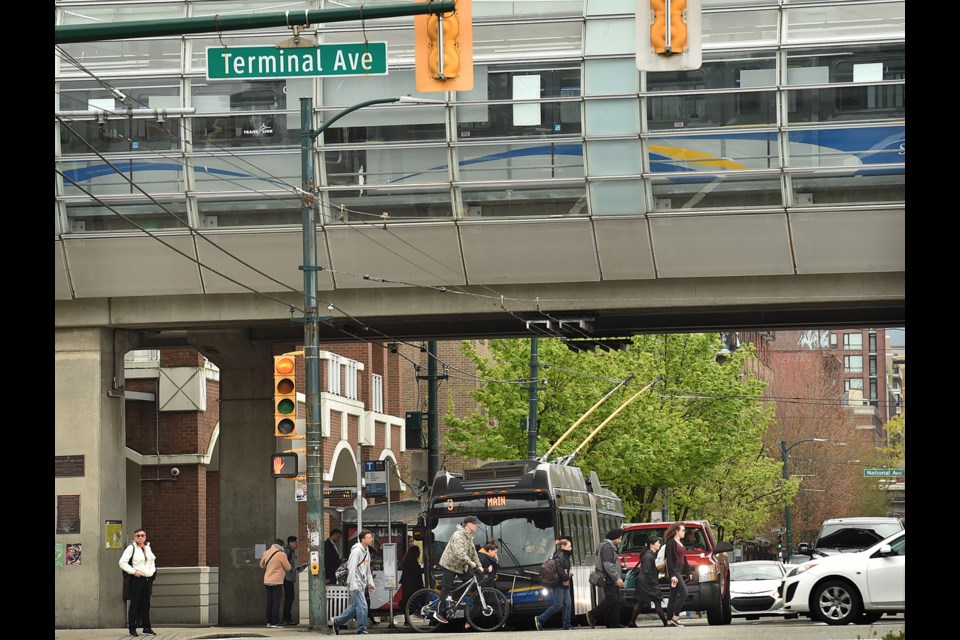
x=284, y=465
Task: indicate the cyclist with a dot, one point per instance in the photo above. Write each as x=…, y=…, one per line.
x=459, y=555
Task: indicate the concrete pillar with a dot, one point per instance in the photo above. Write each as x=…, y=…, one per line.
x=88, y=426
x=250, y=511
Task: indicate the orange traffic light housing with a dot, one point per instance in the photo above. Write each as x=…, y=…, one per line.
x=668, y=27
x=285, y=396
x=443, y=46
x=673, y=40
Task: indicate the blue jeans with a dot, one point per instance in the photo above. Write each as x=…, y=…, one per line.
x=358, y=608
x=561, y=600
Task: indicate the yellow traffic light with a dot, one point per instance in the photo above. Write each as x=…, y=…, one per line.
x=668, y=26
x=285, y=396
x=673, y=41
x=444, y=49
x=443, y=58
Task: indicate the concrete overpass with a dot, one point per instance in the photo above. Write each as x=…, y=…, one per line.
x=441, y=280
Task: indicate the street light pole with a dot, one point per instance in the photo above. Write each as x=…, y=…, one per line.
x=788, y=525
x=311, y=348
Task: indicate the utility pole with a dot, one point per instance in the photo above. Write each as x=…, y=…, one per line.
x=532, y=413
x=433, y=425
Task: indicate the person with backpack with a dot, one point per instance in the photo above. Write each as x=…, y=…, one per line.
x=359, y=579
x=139, y=563
x=647, y=585
x=608, y=563
x=555, y=573
x=677, y=570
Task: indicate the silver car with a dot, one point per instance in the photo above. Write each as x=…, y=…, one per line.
x=754, y=589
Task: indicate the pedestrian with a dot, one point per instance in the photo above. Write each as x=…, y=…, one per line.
x=359, y=579
x=608, y=563
x=275, y=566
x=489, y=563
x=290, y=579
x=459, y=555
x=331, y=556
x=138, y=561
x=647, y=585
x=411, y=576
x=562, y=600
x=677, y=570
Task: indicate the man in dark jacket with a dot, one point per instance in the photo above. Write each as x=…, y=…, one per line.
x=608, y=562
x=331, y=556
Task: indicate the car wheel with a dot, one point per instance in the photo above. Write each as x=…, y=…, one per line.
x=869, y=617
x=835, y=602
x=727, y=609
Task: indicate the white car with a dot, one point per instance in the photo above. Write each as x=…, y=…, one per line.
x=851, y=587
x=754, y=589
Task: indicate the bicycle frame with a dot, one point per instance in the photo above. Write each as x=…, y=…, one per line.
x=465, y=590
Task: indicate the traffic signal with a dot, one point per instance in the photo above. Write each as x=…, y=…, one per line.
x=443, y=46
x=285, y=396
x=284, y=465
x=668, y=35
x=779, y=542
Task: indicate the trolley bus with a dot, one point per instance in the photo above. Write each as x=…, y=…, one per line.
x=525, y=505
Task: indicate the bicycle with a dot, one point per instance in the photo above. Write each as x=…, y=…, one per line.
x=485, y=608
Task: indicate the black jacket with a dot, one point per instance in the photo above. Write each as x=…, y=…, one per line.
x=678, y=567
x=331, y=560
x=563, y=565
x=648, y=587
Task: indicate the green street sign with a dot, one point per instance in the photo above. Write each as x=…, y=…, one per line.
x=254, y=63
x=883, y=473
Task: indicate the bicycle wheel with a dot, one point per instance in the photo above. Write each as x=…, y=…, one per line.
x=491, y=617
x=420, y=608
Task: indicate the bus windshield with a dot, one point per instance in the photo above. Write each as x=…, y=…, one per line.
x=524, y=539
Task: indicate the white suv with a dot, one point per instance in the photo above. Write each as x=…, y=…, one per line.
x=851, y=587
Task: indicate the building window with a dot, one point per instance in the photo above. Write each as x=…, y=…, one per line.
x=852, y=383
x=376, y=392
x=853, y=341
x=873, y=366
x=872, y=341
x=873, y=392
x=853, y=364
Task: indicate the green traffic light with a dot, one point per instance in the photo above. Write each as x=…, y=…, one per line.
x=286, y=405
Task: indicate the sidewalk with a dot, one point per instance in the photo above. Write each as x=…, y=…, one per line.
x=210, y=633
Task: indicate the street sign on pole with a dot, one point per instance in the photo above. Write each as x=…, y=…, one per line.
x=375, y=473
x=883, y=473
x=251, y=63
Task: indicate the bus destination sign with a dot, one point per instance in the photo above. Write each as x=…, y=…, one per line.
x=252, y=63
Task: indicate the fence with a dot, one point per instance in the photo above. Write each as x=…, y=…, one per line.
x=338, y=599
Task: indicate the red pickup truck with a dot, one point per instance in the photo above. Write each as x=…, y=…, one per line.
x=709, y=586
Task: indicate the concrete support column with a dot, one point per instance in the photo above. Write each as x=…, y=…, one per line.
x=249, y=509
x=88, y=425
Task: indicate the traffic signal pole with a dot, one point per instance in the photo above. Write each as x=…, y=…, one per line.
x=66, y=34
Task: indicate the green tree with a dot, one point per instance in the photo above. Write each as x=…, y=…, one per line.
x=697, y=432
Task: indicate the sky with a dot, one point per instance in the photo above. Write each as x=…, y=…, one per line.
x=897, y=338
